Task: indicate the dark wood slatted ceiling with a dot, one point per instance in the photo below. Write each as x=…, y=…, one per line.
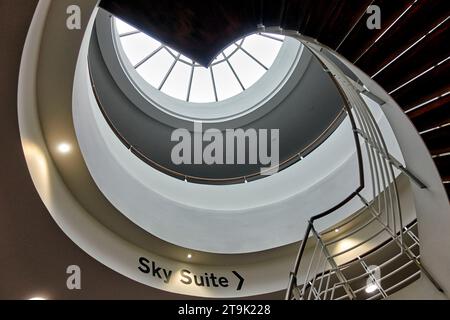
x=199, y=29
x=433, y=114
x=271, y=12
x=417, y=58
x=391, y=54
x=443, y=164
x=363, y=37
x=432, y=84
x=437, y=140
x=413, y=25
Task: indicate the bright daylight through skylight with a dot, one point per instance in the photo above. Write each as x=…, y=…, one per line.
x=236, y=69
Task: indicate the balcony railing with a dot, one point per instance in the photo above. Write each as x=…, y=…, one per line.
x=326, y=269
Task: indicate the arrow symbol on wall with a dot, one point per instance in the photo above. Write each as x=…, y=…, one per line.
x=241, y=280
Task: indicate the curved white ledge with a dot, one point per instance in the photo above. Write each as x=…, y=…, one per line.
x=234, y=219
x=119, y=254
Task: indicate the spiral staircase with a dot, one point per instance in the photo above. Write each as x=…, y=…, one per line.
x=408, y=57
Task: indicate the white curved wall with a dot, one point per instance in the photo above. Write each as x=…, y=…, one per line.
x=79, y=225
x=264, y=276
x=257, y=216
x=432, y=205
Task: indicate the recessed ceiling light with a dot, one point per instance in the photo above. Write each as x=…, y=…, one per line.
x=336, y=230
x=64, y=148
x=37, y=299
x=189, y=256
x=371, y=288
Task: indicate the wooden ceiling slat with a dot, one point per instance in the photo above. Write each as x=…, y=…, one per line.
x=272, y=12
x=418, y=59
x=362, y=37
x=423, y=16
x=340, y=20
x=431, y=85
x=437, y=140
x=443, y=165
x=293, y=14
x=320, y=13
x=434, y=114
x=306, y=14
x=447, y=188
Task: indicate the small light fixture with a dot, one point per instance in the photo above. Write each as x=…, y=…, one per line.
x=189, y=256
x=37, y=299
x=64, y=148
x=371, y=288
x=336, y=230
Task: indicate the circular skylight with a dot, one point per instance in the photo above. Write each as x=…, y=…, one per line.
x=235, y=70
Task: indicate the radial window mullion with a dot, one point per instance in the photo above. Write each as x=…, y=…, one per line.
x=247, y=69
x=234, y=72
x=214, y=83
x=154, y=70
x=226, y=83
x=140, y=63
x=237, y=67
x=169, y=72
x=138, y=46
x=228, y=52
x=271, y=37
x=174, y=54
x=264, y=50
x=254, y=59
x=178, y=82
x=202, y=90
x=190, y=81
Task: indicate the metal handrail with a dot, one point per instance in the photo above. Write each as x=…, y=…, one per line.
x=360, y=260
x=297, y=156
x=385, y=204
x=347, y=106
x=385, y=209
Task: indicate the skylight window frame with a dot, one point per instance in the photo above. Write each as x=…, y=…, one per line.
x=222, y=58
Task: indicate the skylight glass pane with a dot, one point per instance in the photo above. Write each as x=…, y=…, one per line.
x=155, y=69
x=138, y=46
x=174, y=52
x=262, y=48
x=226, y=83
x=202, y=86
x=153, y=65
x=178, y=81
x=228, y=51
x=186, y=59
x=248, y=70
x=123, y=27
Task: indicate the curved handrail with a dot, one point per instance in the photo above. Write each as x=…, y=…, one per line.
x=383, y=180
x=344, y=201
x=219, y=181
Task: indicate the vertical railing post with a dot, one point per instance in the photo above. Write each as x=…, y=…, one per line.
x=384, y=184
x=293, y=276
x=334, y=266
